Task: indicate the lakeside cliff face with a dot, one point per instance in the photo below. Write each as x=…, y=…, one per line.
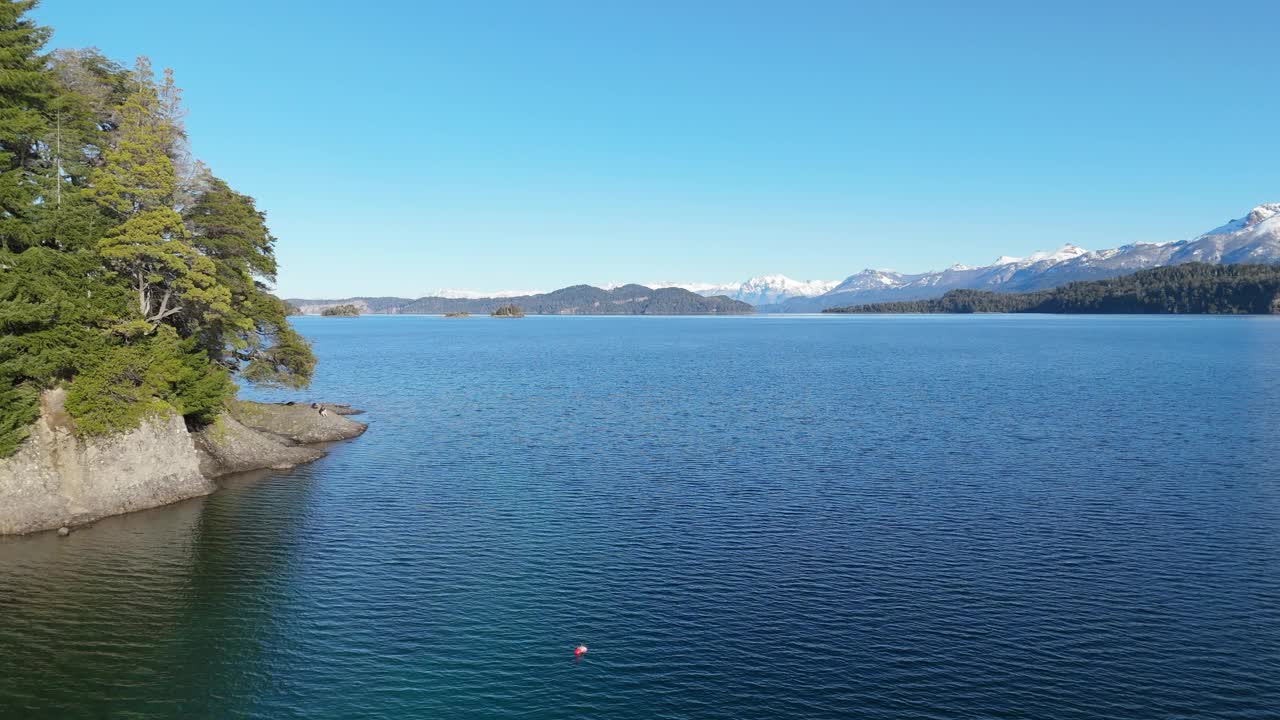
x=59, y=478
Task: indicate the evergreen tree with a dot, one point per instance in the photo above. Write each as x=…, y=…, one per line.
x=128, y=273
x=25, y=90
x=54, y=309
x=137, y=184
x=83, y=114
x=254, y=337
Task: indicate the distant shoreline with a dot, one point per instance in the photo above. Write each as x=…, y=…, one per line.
x=1188, y=289
x=831, y=315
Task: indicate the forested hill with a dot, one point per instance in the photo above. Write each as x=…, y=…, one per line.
x=131, y=275
x=576, y=300
x=1194, y=288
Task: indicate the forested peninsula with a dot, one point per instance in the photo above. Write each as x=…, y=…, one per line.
x=135, y=284
x=1192, y=288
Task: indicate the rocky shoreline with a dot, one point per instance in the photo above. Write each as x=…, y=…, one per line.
x=58, y=480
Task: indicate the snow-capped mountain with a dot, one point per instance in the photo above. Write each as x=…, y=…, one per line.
x=760, y=290
x=1254, y=238
x=770, y=289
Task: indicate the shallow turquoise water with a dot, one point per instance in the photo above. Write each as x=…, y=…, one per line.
x=772, y=517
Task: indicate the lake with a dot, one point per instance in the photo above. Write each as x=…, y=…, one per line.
x=741, y=517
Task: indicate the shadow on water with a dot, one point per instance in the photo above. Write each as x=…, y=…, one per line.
x=175, y=598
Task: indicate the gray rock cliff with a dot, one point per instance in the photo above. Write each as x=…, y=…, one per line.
x=58, y=478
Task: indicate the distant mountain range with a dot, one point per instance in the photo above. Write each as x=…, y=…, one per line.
x=1185, y=288
x=762, y=290
x=576, y=300
x=1254, y=238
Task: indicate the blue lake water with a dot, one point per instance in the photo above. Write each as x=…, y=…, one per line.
x=751, y=517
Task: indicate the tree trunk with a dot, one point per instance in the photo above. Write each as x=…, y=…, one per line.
x=143, y=301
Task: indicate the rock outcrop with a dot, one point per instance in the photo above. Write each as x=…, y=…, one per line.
x=57, y=478
x=60, y=479
x=296, y=423
x=253, y=436
x=228, y=447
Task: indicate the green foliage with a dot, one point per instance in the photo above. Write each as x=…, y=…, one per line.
x=73, y=223
x=254, y=336
x=287, y=361
x=508, y=311
x=147, y=378
x=54, y=309
x=19, y=407
x=25, y=91
x=53, y=306
x=1193, y=288
x=137, y=183
x=128, y=274
x=169, y=276
x=341, y=311
x=228, y=227
x=136, y=173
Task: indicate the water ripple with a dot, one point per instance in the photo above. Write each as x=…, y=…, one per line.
x=742, y=517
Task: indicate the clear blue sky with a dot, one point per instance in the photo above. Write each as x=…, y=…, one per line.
x=403, y=146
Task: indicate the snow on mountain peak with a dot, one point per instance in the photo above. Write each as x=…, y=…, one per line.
x=769, y=289
x=1256, y=216
x=1262, y=212
x=759, y=290
x=1066, y=252
x=1254, y=238
x=1060, y=255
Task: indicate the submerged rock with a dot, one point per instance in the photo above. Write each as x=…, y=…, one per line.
x=341, y=408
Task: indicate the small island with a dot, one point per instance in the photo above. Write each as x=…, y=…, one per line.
x=341, y=311
x=508, y=311
x=457, y=314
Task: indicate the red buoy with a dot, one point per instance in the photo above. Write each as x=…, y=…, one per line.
x=580, y=651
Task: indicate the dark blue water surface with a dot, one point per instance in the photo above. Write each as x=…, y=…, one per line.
x=754, y=517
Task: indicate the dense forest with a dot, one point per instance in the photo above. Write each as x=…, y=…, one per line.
x=1193, y=288
x=130, y=274
x=341, y=311
x=508, y=311
x=575, y=300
